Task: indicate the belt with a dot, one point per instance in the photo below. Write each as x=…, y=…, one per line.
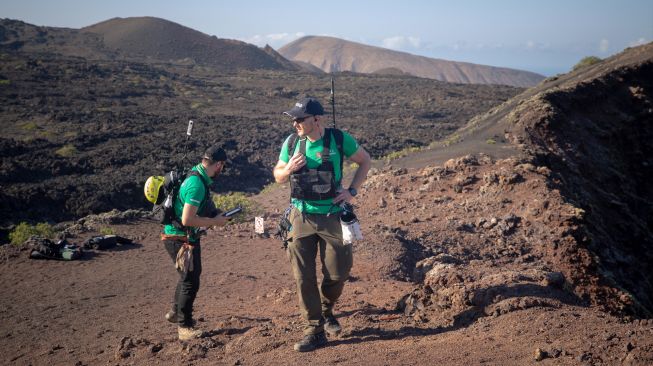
x=182, y=238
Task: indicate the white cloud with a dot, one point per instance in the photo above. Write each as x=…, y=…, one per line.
x=459, y=45
x=638, y=42
x=275, y=40
x=534, y=45
x=604, y=44
x=401, y=43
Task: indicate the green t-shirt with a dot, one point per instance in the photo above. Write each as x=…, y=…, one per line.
x=192, y=192
x=313, y=160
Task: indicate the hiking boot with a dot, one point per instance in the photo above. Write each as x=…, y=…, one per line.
x=171, y=316
x=188, y=333
x=310, y=342
x=331, y=325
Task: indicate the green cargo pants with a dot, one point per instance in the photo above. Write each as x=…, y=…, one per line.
x=309, y=233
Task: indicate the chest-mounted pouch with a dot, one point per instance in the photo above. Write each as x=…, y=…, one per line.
x=319, y=183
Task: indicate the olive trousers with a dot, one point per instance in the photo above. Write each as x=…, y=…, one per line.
x=312, y=233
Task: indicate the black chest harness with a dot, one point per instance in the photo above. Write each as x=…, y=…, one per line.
x=318, y=183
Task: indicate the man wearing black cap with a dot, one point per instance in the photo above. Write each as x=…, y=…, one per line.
x=182, y=240
x=311, y=159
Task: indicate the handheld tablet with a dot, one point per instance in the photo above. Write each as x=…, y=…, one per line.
x=232, y=211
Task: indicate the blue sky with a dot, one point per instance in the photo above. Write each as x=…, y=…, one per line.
x=546, y=37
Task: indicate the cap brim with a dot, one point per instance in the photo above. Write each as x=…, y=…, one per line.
x=296, y=113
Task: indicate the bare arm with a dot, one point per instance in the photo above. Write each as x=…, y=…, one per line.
x=189, y=218
x=362, y=158
x=283, y=170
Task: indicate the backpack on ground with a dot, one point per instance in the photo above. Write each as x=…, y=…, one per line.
x=104, y=242
x=42, y=248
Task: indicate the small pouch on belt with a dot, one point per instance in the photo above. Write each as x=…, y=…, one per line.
x=184, y=261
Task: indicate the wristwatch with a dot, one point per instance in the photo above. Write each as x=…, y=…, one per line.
x=352, y=191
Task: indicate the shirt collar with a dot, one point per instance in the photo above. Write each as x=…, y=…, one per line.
x=205, y=177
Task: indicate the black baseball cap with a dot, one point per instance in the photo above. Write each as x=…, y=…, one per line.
x=306, y=107
x=215, y=153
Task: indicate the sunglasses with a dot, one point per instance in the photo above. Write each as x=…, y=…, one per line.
x=300, y=120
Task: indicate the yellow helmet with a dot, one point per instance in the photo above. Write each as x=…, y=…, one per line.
x=152, y=188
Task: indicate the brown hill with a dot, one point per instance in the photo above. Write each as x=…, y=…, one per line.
x=143, y=39
x=160, y=39
x=333, y=54
x=18, y=36
x=288, y=65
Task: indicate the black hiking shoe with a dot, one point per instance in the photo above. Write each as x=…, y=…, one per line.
x=331, y=325
x=310, y=342
x=171, y=316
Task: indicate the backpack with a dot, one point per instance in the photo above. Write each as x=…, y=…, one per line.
x=170, y=190
x=104, y=242
x=42, y=248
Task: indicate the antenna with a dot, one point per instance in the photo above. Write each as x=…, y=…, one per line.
x=189, y=132
x=333, y=101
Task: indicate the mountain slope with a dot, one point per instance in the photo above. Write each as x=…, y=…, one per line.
x=18, y=36
x=143, y=39
x=161, y=39
x=590, y=132
x=333, y=54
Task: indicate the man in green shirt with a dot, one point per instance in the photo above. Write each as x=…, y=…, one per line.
x=314, y=169
x=182, y=238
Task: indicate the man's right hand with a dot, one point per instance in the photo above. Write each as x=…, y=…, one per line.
x=221, y=220
x=295, y=163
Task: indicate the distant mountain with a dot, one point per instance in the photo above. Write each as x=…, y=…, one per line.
x=280, y=59
x=161, y=39
x=140, y=39
x=16, y=35
x=334, y=54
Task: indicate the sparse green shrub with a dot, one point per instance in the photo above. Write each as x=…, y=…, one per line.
x=30, y=126
x=490, y=141
x=586, y=61
x=270, y=187
x=46, y=134
x=67, y=151
x=226, y=202
x=24, y=230
x=455, y=138
x=195, y=105
x=401, y=153
x=5, y=82
x=107, y=231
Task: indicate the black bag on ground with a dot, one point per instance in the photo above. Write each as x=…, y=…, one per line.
x=105, y=242
x=42, y=248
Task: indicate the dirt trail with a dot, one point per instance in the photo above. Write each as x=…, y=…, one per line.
x=108, y=309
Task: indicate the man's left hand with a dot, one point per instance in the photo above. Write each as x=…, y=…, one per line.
x=343, y=196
